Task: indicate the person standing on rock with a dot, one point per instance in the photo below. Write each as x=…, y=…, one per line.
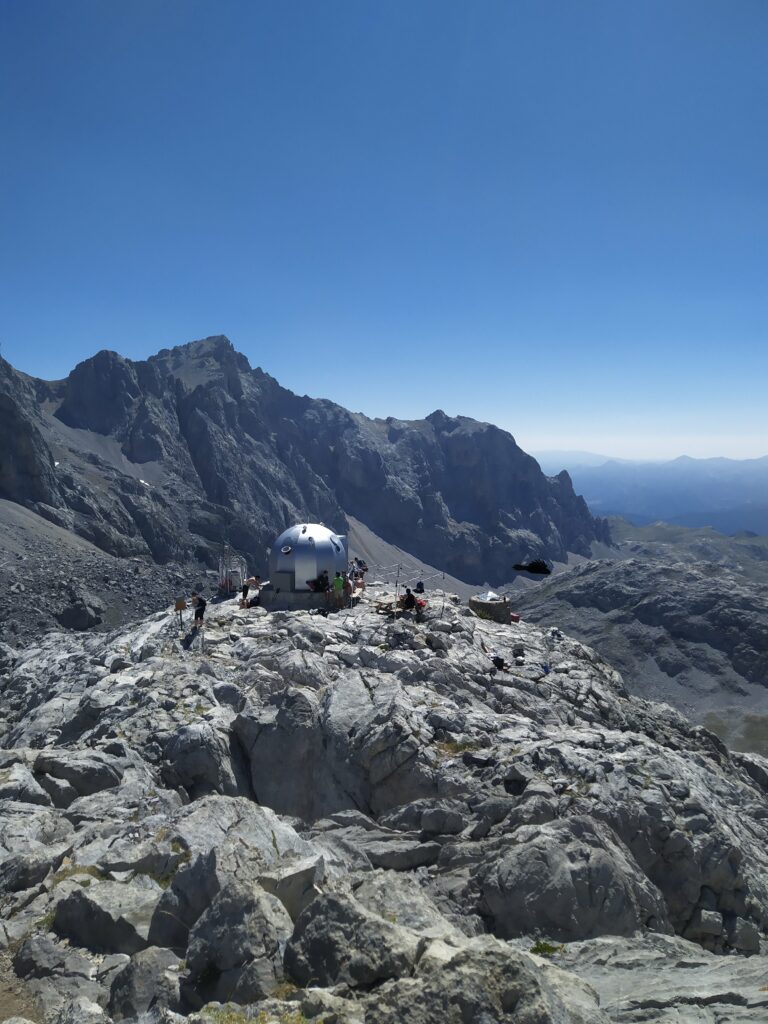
x=338, y=590
x=199, y=604
x=252, y=581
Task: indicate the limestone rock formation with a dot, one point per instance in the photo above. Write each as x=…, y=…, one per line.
x=691, y=634
x=171, y=456
x=337, y=818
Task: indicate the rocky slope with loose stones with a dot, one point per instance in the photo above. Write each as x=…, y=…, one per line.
x=350, y=819
x=692, y=634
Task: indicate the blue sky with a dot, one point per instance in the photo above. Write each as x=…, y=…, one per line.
x=545, y=213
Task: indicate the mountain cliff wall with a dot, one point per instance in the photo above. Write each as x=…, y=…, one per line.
x=175, y=454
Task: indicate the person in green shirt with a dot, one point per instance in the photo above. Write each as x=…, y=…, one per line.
x=338, y=590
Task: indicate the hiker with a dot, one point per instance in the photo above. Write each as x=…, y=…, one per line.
x=255, y=601
x=338, y=590
x=321, y=584
x=199, y=604
x=358, y=573
x=252, y=581
x=409, y=601
x=349, y=589
x=419, y=588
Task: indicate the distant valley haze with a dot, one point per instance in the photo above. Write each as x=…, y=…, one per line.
x=730, y=495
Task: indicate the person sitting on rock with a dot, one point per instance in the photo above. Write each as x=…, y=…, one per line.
x=252, y=581
x=255, y=601
x=199, y=604
x=320, y=584
x=409, y=601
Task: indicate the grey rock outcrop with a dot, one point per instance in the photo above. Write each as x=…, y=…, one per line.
x=171, y=456
x=396, y=827
x=109, y=917
x=336, y=940
x=568, y=879
x=150, y=979
x=692, y=634
x=236, y=947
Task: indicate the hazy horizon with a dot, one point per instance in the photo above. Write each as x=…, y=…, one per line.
x=536, y=444
x=660, y=452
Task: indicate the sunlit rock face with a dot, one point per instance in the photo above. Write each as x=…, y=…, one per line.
x=171, y=456
x=363, y=815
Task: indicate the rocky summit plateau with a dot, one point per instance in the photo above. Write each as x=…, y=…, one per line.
x=351, y=819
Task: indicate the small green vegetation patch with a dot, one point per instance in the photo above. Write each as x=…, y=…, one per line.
x=233, y=1015
x=77, y=869
x=451, y=747
x=45, y=924
x=543, y=948
x=284, y=990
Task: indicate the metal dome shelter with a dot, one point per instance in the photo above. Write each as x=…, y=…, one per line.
x=301, y=553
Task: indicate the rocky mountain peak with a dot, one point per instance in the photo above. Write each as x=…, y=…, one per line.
x=202, y=361
x=100, y=393
x=191, y=448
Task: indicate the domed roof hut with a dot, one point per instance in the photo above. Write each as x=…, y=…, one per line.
x=301, y=553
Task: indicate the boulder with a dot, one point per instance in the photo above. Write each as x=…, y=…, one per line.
x=25, y=870
x=109, y=917
x=567, y=880
x=18, y=783
x=87, y=772
x=151, y=979
x=336, y=940
x=485, y=983
x=295, y=882
x=235, y=948
x=197, y=757
x=54, y=973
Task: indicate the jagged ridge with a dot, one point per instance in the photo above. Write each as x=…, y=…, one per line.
x=172, y=455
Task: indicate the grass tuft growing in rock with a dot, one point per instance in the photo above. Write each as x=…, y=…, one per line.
x=70, y=870
x=543, y=948
x=450, y=747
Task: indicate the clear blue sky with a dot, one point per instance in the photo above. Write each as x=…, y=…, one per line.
x=549, y=214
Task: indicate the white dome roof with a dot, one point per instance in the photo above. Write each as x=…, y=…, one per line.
x=302, y=552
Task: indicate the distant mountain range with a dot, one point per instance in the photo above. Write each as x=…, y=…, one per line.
x=731, y=495
x=171, y=456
